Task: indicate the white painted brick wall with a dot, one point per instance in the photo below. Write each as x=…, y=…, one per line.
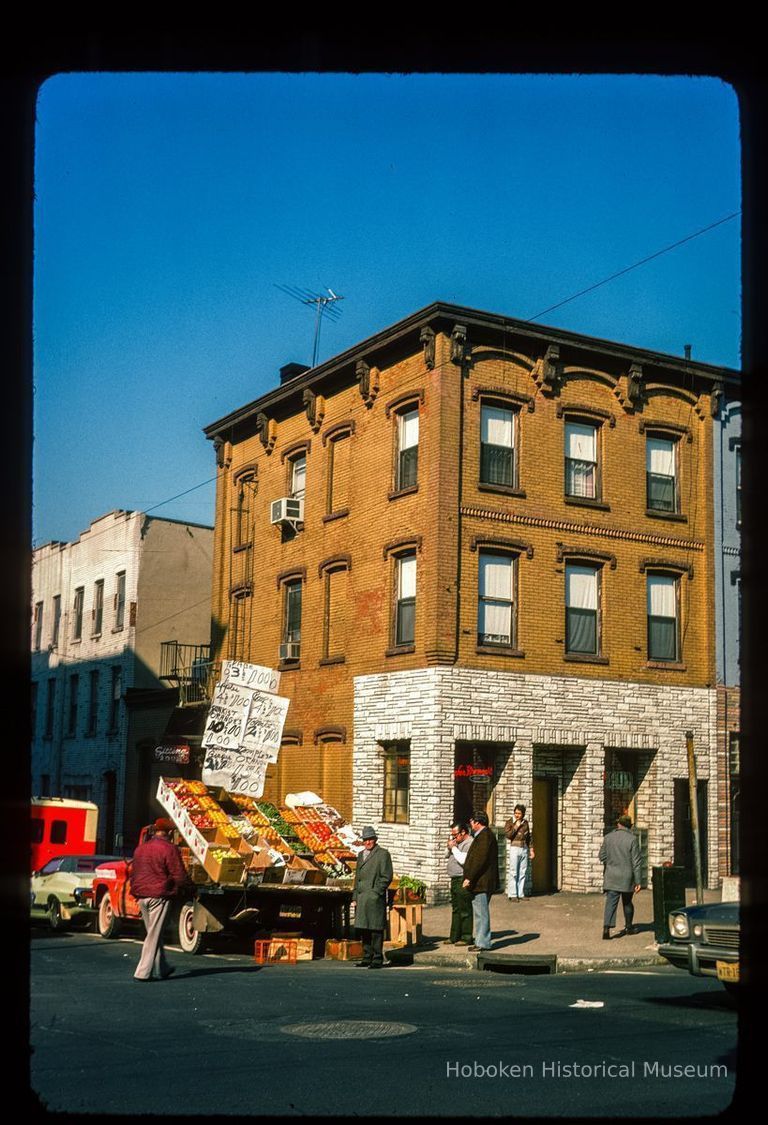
x=539, y=715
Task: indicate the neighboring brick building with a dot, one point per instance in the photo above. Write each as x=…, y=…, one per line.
x=727, y=497
x=102, y=607
x=490, y=510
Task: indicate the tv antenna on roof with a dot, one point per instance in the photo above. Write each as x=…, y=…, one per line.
x=325, y=306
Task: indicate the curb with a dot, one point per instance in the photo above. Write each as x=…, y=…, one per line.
x=562, y=964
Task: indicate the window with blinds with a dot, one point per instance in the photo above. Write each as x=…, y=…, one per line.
x=661, y=474
x=497, y=445
x=581, y=479
x=663, y=617
x=495, y=599
x=582, y=602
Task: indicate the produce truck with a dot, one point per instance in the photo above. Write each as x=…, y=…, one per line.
x=277, y=881
x=61, y=826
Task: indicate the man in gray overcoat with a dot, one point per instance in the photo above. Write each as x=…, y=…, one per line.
x=373, y=875
x=620, y=852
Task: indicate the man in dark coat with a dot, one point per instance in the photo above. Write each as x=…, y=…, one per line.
x=481, y=877
x=157, y=875
x=620, y=852
x=373, y=875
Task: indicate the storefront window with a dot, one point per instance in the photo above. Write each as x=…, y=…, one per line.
x=397, y=782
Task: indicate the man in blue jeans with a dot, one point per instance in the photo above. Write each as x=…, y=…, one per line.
x=481, y=877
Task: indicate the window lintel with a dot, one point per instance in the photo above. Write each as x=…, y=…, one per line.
x=584, y=554
x=510, y=546
x=338, y=430
x=401, y=546
x=408, y=398
x=591, y=414
x=336, y=562
x=295, y=574
x=297, y=448
x=667, y=565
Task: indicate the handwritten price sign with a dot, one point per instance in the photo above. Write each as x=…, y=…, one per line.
x=244, y=728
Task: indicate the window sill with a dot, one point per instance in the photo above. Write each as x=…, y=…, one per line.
x=654, y=514
x=326, y=660
x=666, y=665
x=397, y=492
x=585, y=658
x=95, y=636
x=118, y=629
x=290, y=666
x=499, y=650
x=400, y=650
x=502, y=489
x=587, y=502
x=76, y=641
x=336, y=515
x=240, y=547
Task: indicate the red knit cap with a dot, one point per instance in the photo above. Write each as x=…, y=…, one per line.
x=163, y=824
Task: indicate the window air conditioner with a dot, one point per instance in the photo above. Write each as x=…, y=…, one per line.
x=290, y=651
x=287, y=510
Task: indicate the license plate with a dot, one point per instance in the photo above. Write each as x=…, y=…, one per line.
x=727, y=971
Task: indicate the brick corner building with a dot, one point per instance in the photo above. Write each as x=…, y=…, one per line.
x=482, y=553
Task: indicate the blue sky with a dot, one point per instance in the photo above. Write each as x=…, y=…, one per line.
x=168, y=207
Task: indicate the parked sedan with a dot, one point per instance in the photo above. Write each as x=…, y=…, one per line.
x=62, y=890
x=705, y=941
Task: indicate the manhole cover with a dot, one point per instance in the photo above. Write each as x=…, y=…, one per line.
x=349, y=1029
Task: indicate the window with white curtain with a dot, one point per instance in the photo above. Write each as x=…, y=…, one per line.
x=661, y=474
x=495, y=601
x=582, y=601
x=497, y=445
x=663, y=625
x=407, y=463
x=298, y=476
x=405, y=606
x=581, y=460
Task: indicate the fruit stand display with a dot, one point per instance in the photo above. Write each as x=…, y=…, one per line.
x=295, y=862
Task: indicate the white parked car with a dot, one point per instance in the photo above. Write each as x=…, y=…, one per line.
x=62, y=890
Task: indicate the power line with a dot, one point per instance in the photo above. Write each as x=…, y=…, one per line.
x=634, y=266
x=142, y=511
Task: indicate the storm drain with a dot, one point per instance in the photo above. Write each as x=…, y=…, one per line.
x=349, y=1029
x=475, y=982
x=527, y=964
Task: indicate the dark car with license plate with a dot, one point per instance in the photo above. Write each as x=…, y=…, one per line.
x=704, y=940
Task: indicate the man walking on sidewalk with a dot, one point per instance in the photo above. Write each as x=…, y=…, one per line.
x=620, y=852
x=481, y=877
x=157, y=876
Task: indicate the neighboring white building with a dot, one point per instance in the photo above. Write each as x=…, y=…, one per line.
x=101, y=608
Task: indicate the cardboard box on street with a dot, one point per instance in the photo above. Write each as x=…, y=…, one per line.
x=227, y=870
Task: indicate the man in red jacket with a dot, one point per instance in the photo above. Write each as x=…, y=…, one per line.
x=157, y=875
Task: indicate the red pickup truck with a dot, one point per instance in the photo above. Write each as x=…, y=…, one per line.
x=211, y=908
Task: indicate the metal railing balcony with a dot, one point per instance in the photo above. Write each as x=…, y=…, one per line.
x=190, y=669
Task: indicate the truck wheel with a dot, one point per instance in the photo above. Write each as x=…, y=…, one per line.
x=109, y=923
x=55, y=920
x=190, y=939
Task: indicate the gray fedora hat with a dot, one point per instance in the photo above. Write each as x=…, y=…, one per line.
x=368, y=833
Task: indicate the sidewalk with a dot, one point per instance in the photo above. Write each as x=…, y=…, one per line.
x=563, y=930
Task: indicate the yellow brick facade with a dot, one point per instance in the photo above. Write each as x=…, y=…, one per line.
x=450, y=516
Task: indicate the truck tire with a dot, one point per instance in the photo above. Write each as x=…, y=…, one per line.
x=108, y=923
x=190, y=939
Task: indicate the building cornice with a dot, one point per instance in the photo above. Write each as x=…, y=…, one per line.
x=479, y=326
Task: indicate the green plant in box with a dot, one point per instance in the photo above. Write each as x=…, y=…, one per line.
x=410, y=889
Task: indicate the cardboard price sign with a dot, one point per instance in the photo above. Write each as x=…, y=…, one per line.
x=244, y=728
x=227, y=717
x=250, y=675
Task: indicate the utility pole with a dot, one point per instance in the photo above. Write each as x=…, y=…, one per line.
x=693, y=797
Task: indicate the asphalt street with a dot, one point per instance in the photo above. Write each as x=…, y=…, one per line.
x=224, y=1036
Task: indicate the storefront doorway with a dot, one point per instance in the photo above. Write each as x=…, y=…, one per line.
x=544, y=816
x=476, y=770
